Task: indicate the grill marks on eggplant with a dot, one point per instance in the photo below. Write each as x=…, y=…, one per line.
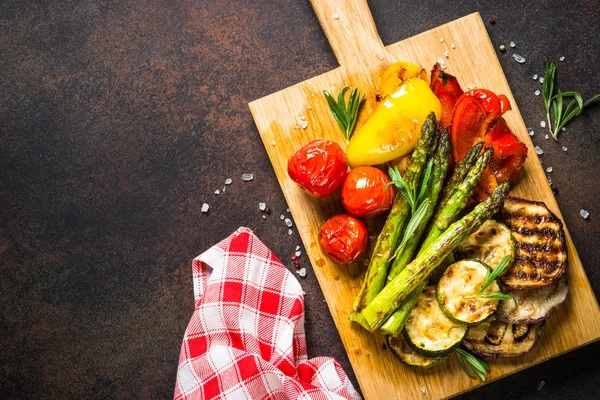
x=500, y=339
x=541, y=257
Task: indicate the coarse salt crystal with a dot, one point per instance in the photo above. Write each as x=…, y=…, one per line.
x=546, y=137
x=287, y=210
x=512, y=44
x=541, y=79
x=264, y=217
x=298, y=253
x=549, y=180
x=519, y=59
x=531, y=133
x=541, y=385
x=543, y=124
x=273, y=143
x=303, y=124
x=217, y=192
x=471, y=86
x=288, y=222
x=535, y=77
x=564, y=148
x=549, y=169
x=282, y=217
x=336, y=16
x=301, y=272
x=537, y=92
x=228, y=181
x=262, y=206
x=442, y=63
x=441, y=40
x=290, y=232
x=446, y=54
x=563, y=129
x=247, y=177
x=223, y=191
x=297, y=247
x=423, y=389
x=453, y=45
x=584, y=213
x=562, y=58
x=205, y=208
x=538, y=150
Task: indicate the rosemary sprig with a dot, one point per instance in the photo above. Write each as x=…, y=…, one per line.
x=345, y=116
x=411, y=227
x=409, y=192
x=500, y=269
x=472, y=365
x=555, y=102
x=490, y=277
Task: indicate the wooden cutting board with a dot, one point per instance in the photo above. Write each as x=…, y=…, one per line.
x=281, y=119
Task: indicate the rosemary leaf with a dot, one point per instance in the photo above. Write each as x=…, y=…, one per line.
x=345, y=115
x=475, y=364
x=496, y=273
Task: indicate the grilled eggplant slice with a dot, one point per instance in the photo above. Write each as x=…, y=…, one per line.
x=493, y=338
x=456, y=290
x=410, y=357
x=428, y=330
x=490, y=244
x=541, y=256
x=532, y=305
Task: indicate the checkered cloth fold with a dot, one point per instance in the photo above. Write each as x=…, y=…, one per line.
x=246, y=337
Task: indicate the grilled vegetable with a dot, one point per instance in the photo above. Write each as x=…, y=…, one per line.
x=457, y=292
x=493, y=338
x=410, y=357
x=390, y=298
x=489, y=244
x=428, y=330
x=394, y=225
x=541, y=255
x=532, y=305
x=457, y=202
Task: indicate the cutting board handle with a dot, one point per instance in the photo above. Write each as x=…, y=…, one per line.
x=351, y=31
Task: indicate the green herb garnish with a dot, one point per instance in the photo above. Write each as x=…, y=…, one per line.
x=554, y=102
x=490, y=277
x=345, y=116
x=409, y=192
x=472, y=365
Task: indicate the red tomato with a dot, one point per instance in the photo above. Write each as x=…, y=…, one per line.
x=343, y=238
x=364, y=192
x=319, y=167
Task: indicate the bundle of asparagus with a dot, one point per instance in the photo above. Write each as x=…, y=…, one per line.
x=422, y=221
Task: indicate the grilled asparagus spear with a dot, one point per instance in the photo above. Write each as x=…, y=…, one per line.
x=390, y=298
x=387, y=240
x=457, y=202
x=440, y=167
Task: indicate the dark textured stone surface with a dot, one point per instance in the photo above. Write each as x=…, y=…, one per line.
x=118, y=119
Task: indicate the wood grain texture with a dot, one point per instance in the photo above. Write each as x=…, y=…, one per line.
x=362, y=57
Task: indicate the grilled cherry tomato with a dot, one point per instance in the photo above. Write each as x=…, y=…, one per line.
x=319, y=167
x=343, y=238
x=364, y=192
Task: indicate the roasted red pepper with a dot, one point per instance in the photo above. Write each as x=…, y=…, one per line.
x=477, y=117
x=447, y=90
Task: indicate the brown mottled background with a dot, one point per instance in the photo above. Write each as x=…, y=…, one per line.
x=118, y=119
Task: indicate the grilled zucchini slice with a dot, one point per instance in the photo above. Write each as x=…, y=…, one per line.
x=541, y=257
x=456, y=290
x=428, y=330
x=410, y=357
x=494, y=338
x=490, y=244
x=531, y=306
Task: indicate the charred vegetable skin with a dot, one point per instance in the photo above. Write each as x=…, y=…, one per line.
x=387, y=240
x=541, y=256
x=447, y=89
x=390, y=298
x=493, y=339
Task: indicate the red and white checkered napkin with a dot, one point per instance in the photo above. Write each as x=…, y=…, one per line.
x=246, y=337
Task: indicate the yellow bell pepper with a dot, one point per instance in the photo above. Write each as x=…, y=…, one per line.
x=393, y=128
